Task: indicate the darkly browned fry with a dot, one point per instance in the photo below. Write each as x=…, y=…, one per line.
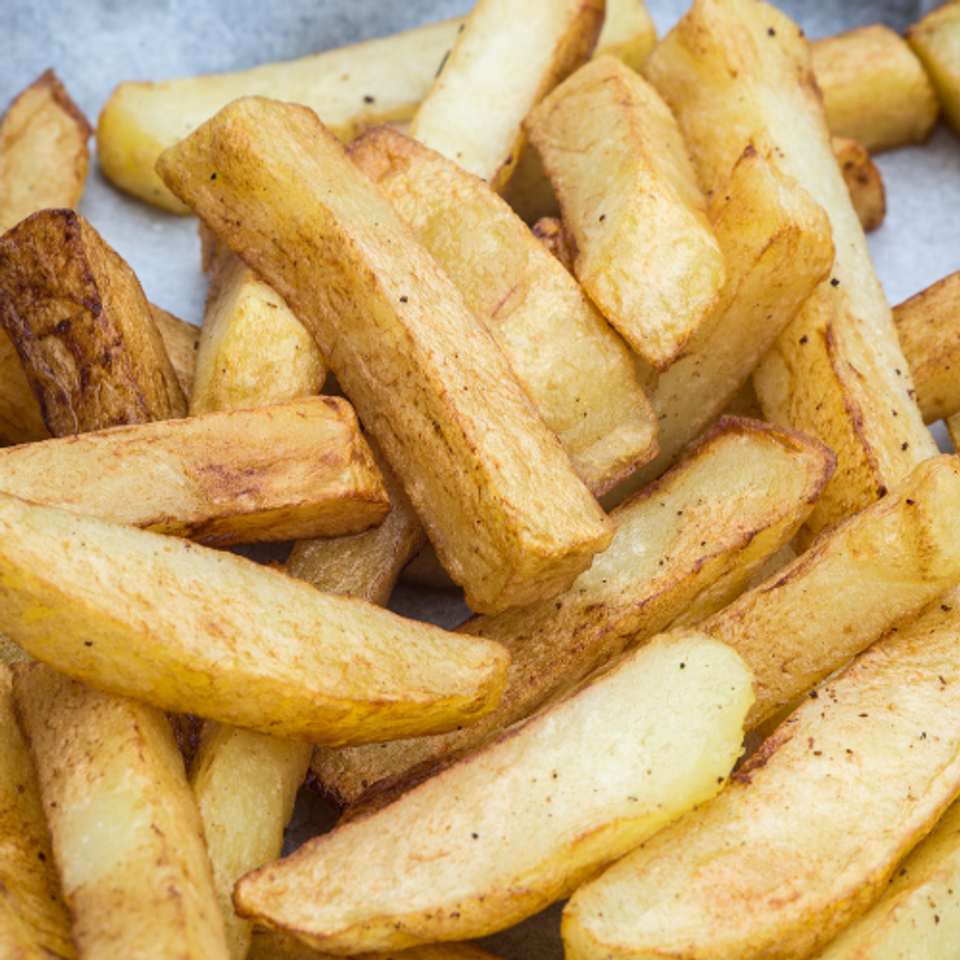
x=82, y=326
x=492, y=485
x=864, y=182
x=929, y=328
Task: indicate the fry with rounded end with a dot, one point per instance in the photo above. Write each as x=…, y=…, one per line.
x=195, y=630
x=936, y=41
x=126, y=835
x=504, y=832
x=864, y=183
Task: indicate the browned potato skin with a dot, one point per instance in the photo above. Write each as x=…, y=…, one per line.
x=151, y=616
x=459, y=432
x=929, y=328
x=108, y=768
x=859, y=579
x=812, y=827
x=936, y=41
x=576, y=370
x=34, y=924
x=43, y=151
x=686, y=545
x=875, y=90
x=644, y=249
x=837, y=371
x=290, y=470
x=864, y=182
x=83, y=328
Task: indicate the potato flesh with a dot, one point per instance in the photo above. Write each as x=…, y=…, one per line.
x=296, y=469
x=173, y=616
x=504, y=62
x=936, y=41
x=808, y=833
x=460, y=434
x=646, y=254
x=498, y=836
x=859, y=579
x=575, y=369
x=737, y=72
x=126, y=835
x=689, y=543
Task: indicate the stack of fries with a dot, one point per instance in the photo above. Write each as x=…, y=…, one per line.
x=533, y=305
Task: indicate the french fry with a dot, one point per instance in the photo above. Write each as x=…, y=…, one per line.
x=290, y=470
x=574, y=368
x=928, y=325
x=811, y=828
x=194, y=630
x=181, y=340
x=501, y=834
x=864, y=183
x=83, y=328
x=391, y=323
x=644, y=249
x=690, y=542
x=34, y=924
x=936, y=41
x=738, y=72
x=875, y=90
x=126, y=836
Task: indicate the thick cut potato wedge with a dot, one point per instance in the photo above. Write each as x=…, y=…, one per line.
x=864, y=182
x=859, y=579
x=929, y=328
x=689, y=543
x=936, y=41
x=194, y=630
x=645, y=252
x=126, y=836
x=253, y=351
x=505, y=61
x=738, y=72
x=494, y=489
x=83, y=328
x=295, y=469
x=182, y=340
x=501, y=834
x=575, y=369
x=34, y=924
x=875, y=90
x=812, y=826
x=43, y=151
x=777, y=246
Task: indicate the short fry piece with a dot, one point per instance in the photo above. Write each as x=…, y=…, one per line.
x=126, y=835
x=83, y=328
x=194, y=630
x=290, y=470
x=936, y=41
x=809, y=831
x=506, y=60
x=392, y=324
x=864, y=183
x=645, y=252
x=501, y=834
x=875, y=90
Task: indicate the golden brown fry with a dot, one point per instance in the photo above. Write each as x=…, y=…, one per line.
x=550, y=232
x=875, y=570
x=929, y=328
x=689, y=543
x=576, y=370
x=181, y=340
x=645, y=252
x=83, y=328
x=196, y=630
x=628, y=33
x=936, y=41
x=296, y=469
x=126, y=836
x=496, y=73
x=738, y=72
x=34, y=924
x=864, y=182
x=811, y=828
x=392, y=324
x=875, y=90
x=43, y=151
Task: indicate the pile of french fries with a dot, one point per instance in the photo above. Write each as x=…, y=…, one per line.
x=576, y=320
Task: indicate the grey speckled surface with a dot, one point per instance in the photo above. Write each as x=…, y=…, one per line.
x=98, y=43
